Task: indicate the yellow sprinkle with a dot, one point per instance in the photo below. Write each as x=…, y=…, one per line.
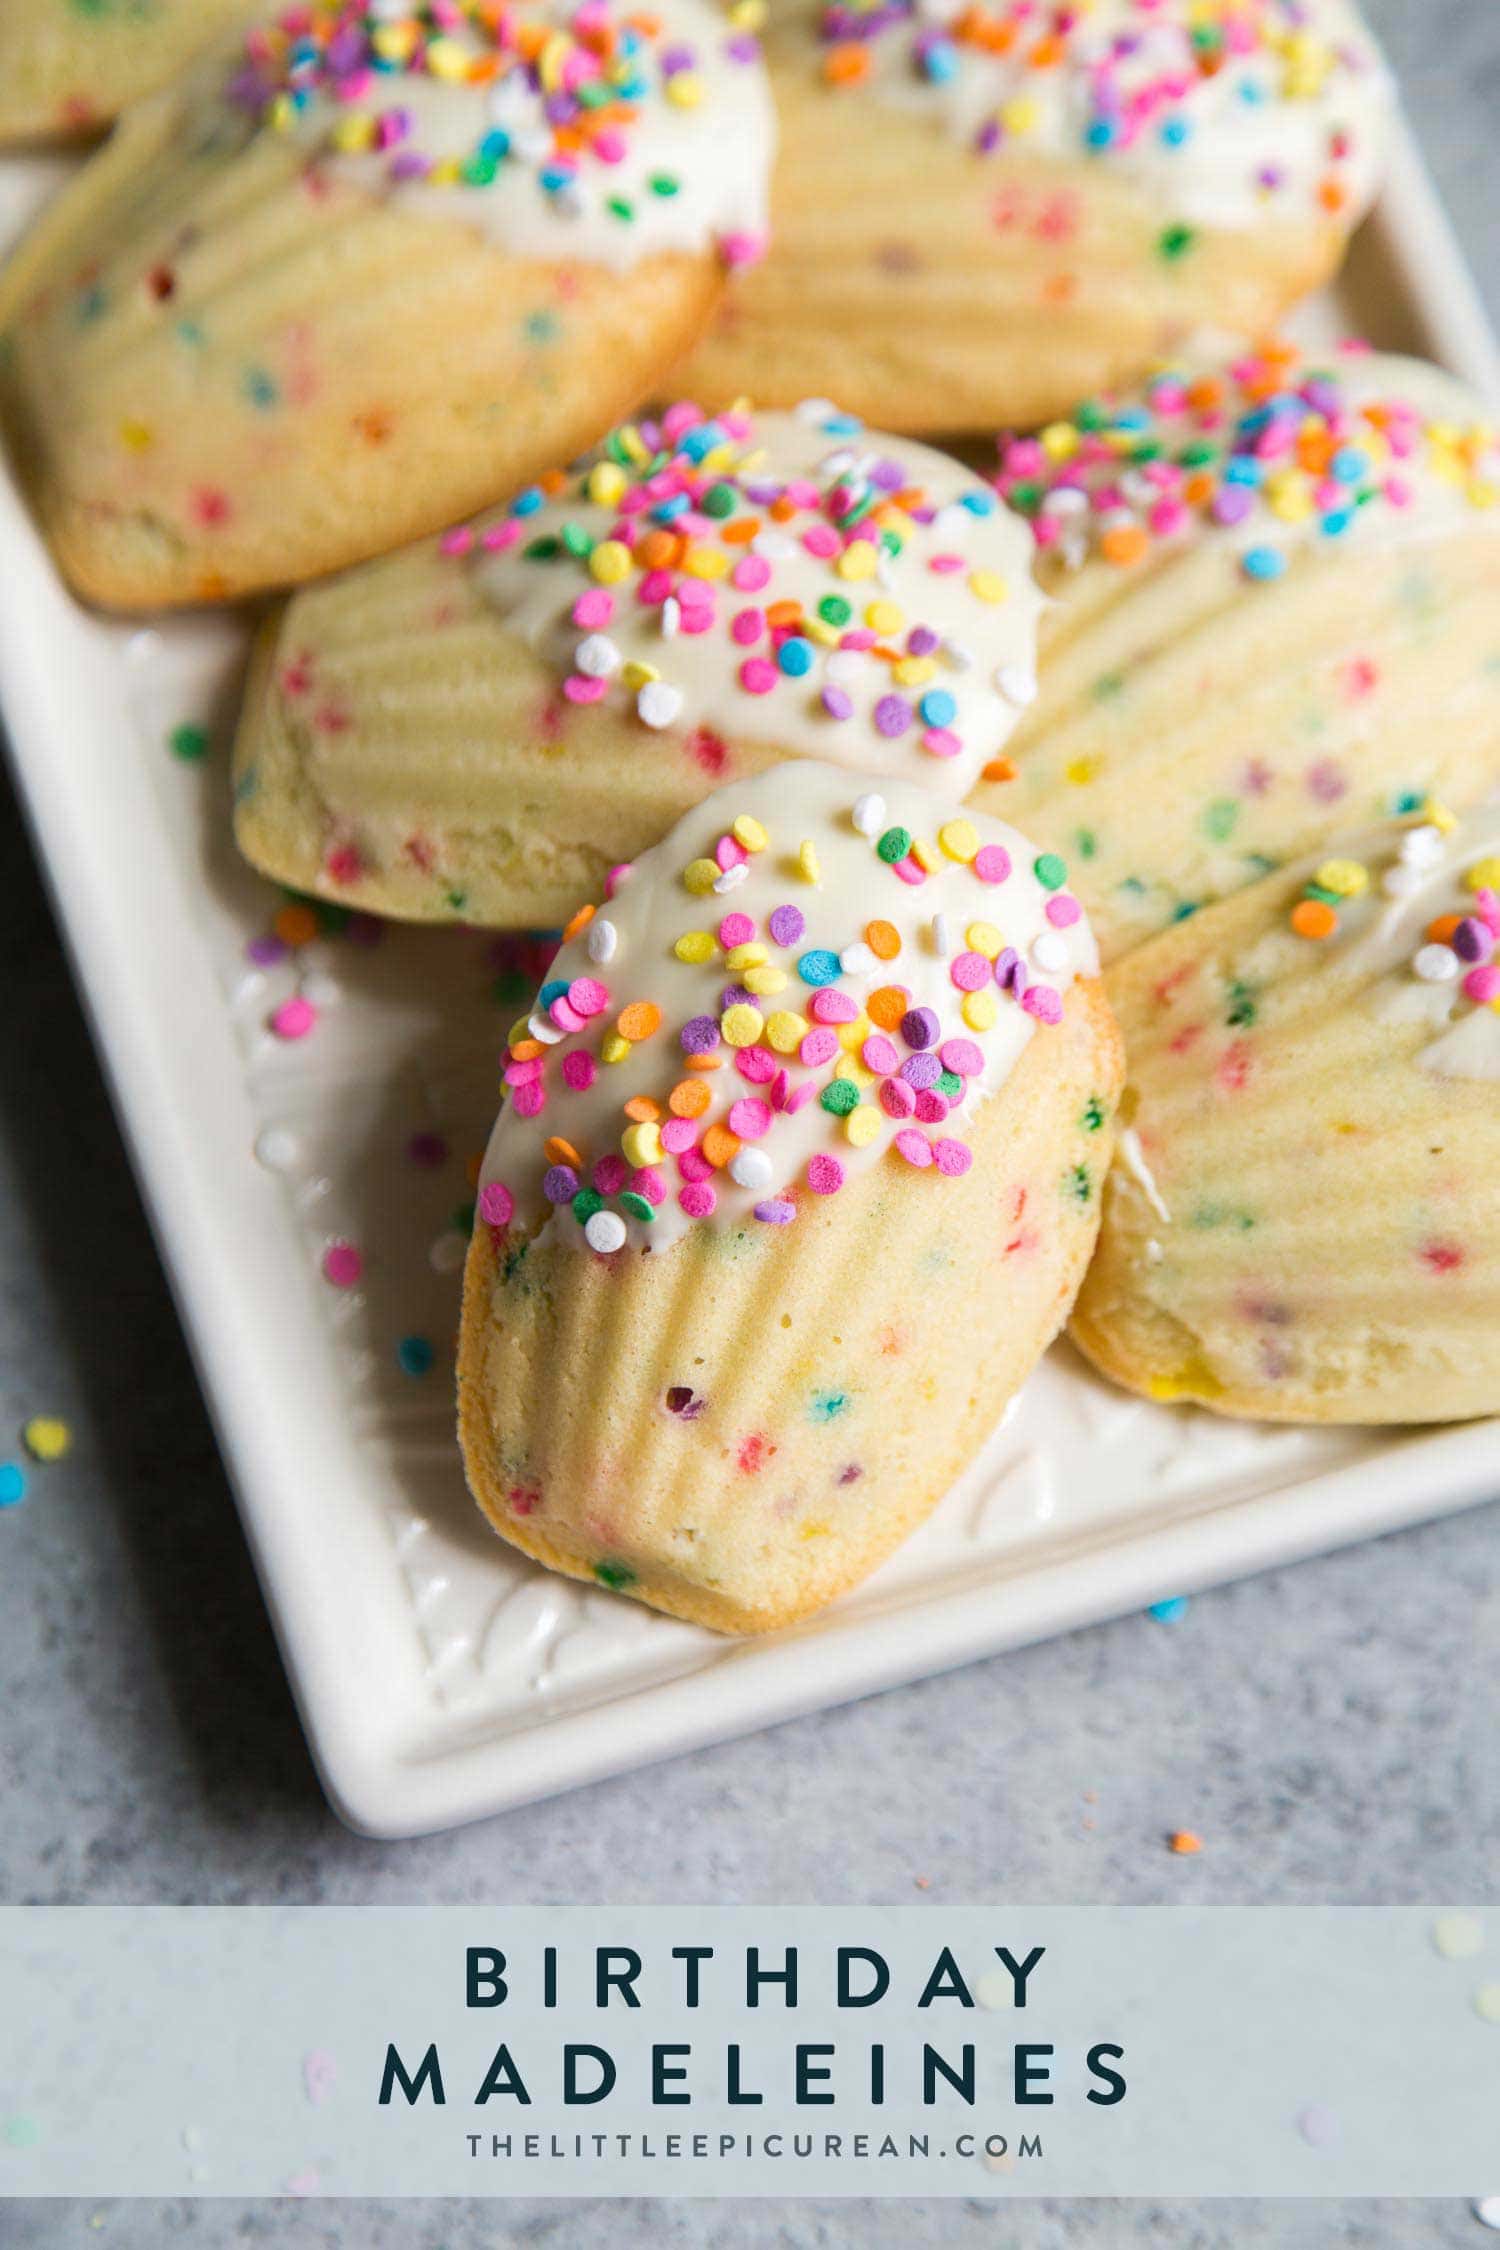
x=748, y=15
x=1079, y=772
x=861, y=1126
x=705, y=562
x=1346, y=878
x=785, y=1031
x=913, y=671
x=696, y=946
x=852, y=1036
x=807, y=861
x=979, y=1010
x=283, y=114
x=447, y=59
x=636, y=674
x=960, y=840
x=1290, y=497
x=1482, y=493
x=1018, y=116
x=813, y=1531
x=884, y=617
x=700, y=875
x=631, y=442
x=988, y=586
x=684, y=90
x=749, y=834
x=135, y=436
x=764, y=983
x=394, y=42
x=641, y=1144
x=818, y=629
x=1484, y=875
x=983, y=937
x=610, y=562
x=925, y=855
x=741, y=1025
x=614, y=1049
x=745, y=957
x=46, y=1439
x=352, y=135
x=607, y=482
x=858, y=560
x=1439, y=817
x=1059, y=441
x=447, y=172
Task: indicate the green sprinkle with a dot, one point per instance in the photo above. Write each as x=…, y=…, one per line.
x=1095, y=1113
x=1176, y=241
x=834, y=610
x=949, y=1085
x=1078, y=1184
x=577, y=540
x=585, y=1203
x=1241, y=1006
x=637, y=1206
x=719, y=501
x=1050, y=871
x=188, y=742
x=827, y=1406
x=1219, y=819
x=1085, y=843
x=621, y=206
x=615, y=1575
x=662, y=183
x=894, y=846
x=839, y=1098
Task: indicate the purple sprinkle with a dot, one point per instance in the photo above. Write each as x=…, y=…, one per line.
x=1471, y=941
x=851, y=1474
x=560, y=1183
x=1010, y=972
x=776, y=1213
x=892, y=715
x=921, y=1071
x=787, y=925
x=266, y=951
x=888, y=476
x=699, y=1035
x=736, y=996
x=921, y=640
x=920, y=1028
x=1232, y=503
x=837, y=704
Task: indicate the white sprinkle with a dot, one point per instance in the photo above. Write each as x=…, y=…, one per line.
x=1318, y=2126
x=942, y=936
x=774, y=546
x=952, y=523
x=602, y=939
x=959, y=655
x=659, y=703
x=448, y=1252
x=842, y=667
x=320, y=988
x=1458, y=1937
x=277, y=1149
x=605, y=1232
x=817, y=410
x=732, y=878
x=597, y=657
x=1401, y=882
x=750, y=1168
x=1066, y=500
x=1049, y=950
x=542, y=1027
x=1436, y=964
x=869, y=813
x=1487, y=2003
x=671, y=618
x=856, y=959
x=1488, y=2213
x=1016, y=685
x=1422, y=847
x=838, y=464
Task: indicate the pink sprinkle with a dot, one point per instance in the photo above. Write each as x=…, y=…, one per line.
x=649, y=1183
x=529, y=1101
x=910, y=873
x=522, y=1073
x=678, y=1134
x=830, y=1006
x=729, y=853
x=897, y=1098
x=342, y=1265
x=617, y=876
x=565, y=1015
x=578, y=689
x=825, y=1174
x=992, y=863
x=970, y=972
x=746, y=627
x=735, y=929
x=459, y=541
x=915, y=1147
x=750, y=1118
x=595, y=609
x=496, y=1205
x=697, y=1199
x=757, y=677
x=501, y=535
x=294, y=1019
x=750, y=574
x=588, y=996
x=610, y=1173
x=931, y=1107
x=1483, y=984
x=1041, y=1001
x=962, y=1057
x=654, y=588
x=822, y=540
x=880, y=1054
x=756, y=1065
x=799, y=1097
x=941, y=742
x=579, y=1070
x=694, y=1166
x=818, y=1048
x=945, y=565
x=1062, y=911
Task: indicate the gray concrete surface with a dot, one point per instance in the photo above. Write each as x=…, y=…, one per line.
x=1330, y=1731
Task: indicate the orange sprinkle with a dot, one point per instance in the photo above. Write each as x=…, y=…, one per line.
x=782, y=511
x=783, y=613
x=1000, y=769
x=1207, y=391
x=526, y=1050
x=689, y=1098
x=1184, y=1842
x=552, y=481
x=296, y=925
x=559, y=1151
x=659, y=550
x=741, y=531
x=1333, y=195
x=887, y=1006
x=1124, y=542
x=639, y=1020
x=848, y=64
x=1443, y=928
x=642, y=1110
x=580, y=921
x=704, y=1062
x=1314, y=918
x=719, y=1145
x=883, y=939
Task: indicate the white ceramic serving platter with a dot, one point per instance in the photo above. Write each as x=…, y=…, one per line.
x=440, y=1676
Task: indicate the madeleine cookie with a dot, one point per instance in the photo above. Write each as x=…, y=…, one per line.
x=364, y=271
x=1278, y=586
x=795, y=1180
x=983, y=213
x=1304, y=1223
x=483, y=726
x=69, y=66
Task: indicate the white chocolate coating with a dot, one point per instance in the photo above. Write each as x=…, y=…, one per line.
x=629, y=946
x=983, y=658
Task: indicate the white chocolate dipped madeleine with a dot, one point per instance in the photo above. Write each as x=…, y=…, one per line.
x=795, y=1179
x=984, y=212
x=364, y=269
x=66, y=69
x=1277, y=580
x=484, y=725
x=1303, y=1222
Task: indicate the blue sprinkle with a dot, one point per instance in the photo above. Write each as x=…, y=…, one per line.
x=527, y=503
x=556, y=988
x=979, y=503
x=795, y=656
x=1349, y=464
x=938, y=708
x=1172, y=1612
x=414, y=1355
x=842, y=425
x=1337, y=520
x=1263, y=562
x=820, y=967
x=1099, y=132
x=1177, y=130
x=12, y=1484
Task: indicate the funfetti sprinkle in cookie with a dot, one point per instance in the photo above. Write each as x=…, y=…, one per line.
x=795, y=1176
x=367, y=268
x=68, y=66
x=1277, y=580
x=481, y=727
x=1304, y=1221
x=984, y=212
